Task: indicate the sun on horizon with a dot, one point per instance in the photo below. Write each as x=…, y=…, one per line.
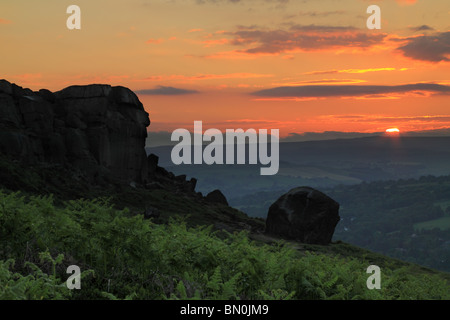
x=392, y=130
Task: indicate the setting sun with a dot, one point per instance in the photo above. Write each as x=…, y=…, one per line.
x=393, y=130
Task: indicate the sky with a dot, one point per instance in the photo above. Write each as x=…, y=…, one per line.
x=299, y=66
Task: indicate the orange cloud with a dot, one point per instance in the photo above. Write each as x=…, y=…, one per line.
x=284, y=99
x=154, y=41
x=198, y=77
x=236, y=55
x=195, y=30
x=160, y=40
x=321, y=81
x=375, y=97
x=407, y=2
x=395, y=119
x=209, y=43
x=352, y=71
x=28, y=79
x=4, y=21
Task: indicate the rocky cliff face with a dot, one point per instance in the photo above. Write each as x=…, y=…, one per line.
x=99, y=130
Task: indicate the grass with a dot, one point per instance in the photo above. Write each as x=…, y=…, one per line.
x=41, y=180
x=342, y=249
x=195, y=211
x=441, y=223
x=127, y=257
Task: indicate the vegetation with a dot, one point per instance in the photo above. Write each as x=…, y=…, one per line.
x=123, y=256
x=406, y=219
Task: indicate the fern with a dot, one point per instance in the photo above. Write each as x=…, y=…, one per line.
x=127, y=257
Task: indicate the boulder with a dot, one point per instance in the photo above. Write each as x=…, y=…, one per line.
x=151, y=212
x=9, y=112
x=216, y=196
x=152, y=163
x=6, y=87
x=83, y=92
x=303, y=214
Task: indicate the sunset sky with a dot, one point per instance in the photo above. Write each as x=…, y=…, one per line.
x=294, y=65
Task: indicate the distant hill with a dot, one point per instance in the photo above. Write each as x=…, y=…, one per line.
x=324, y=164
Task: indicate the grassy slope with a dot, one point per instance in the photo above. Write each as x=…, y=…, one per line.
x=441, y=223
x=54, y=180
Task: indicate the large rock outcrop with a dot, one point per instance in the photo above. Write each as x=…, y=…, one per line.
x=95, y=133
x=216, y=196
x=303, y=214
x=98, y=129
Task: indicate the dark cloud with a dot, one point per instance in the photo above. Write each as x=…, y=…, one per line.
x=421, y=28
x=434, y=48
x=168, y=91
x=350, y=90
x=303, y=37
x=327, y=135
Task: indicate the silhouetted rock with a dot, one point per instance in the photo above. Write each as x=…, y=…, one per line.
x=97, y=129
x=152, y=161
x=151, y=212
x=303, y=214
x=191, y=184
x=216, y=196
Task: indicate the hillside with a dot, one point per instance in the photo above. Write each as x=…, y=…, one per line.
x=138, y=231
x=125, y=256
x=38, y=228
x=407, y=219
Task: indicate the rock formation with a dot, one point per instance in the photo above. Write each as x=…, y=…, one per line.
x=216, y=196
x=303, y=214
x=97, y=130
